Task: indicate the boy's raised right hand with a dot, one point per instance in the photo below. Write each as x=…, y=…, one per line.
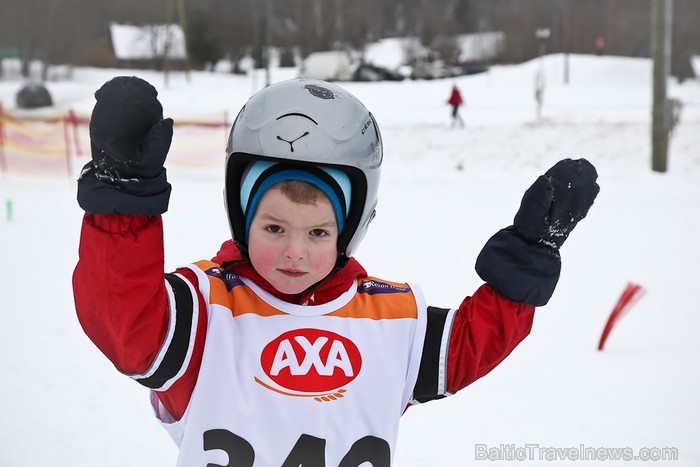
x=129, y=140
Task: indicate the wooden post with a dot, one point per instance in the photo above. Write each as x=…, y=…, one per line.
x=73, y=118
x=182, y=16
x=566, y=37
x=167, y=39
x=268, y=42
x=3, y=161
x=66, y=141
x=661, y=14
x=339, y=28
x=226, y=127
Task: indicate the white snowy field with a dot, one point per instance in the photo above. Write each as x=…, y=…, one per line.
x=444, y=192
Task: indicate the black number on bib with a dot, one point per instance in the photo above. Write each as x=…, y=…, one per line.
x=308, y=451
x=240, y=452
x=370, y=449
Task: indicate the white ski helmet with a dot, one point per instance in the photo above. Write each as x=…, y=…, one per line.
x=307, y=122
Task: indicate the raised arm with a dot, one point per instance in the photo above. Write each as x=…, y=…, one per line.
x=520, y=265
x=139, y=317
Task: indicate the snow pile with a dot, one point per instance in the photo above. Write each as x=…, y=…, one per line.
x=146, y=42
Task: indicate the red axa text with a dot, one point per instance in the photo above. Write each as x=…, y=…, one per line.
x=311, y=360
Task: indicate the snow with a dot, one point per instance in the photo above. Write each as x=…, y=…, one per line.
x=395, y=51
x=481, y=47
x=63, y=403
x=392, y=52
x=144, y=42
x=695, y=63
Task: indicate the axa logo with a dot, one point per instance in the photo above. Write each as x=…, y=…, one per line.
x=310, y=363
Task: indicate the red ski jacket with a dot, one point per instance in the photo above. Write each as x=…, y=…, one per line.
x=122, y=304
x=455, y=98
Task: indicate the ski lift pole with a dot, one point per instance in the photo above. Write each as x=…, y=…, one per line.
x=661, y=17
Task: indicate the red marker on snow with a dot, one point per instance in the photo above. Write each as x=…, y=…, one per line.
x=629, y=296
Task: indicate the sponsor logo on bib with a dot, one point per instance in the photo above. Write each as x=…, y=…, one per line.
x=310, y=362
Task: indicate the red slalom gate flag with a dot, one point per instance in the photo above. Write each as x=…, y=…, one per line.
x=629, y=296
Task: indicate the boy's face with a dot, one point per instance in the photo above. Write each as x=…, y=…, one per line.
x=292, y=245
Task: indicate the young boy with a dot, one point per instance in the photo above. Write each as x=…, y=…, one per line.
x=281, y=350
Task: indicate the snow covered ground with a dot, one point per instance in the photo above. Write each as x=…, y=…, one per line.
x=444, y=192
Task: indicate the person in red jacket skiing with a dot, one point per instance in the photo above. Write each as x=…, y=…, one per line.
x=282, y=350
x=456, y=102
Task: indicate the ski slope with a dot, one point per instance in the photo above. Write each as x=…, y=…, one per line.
x=444, y=192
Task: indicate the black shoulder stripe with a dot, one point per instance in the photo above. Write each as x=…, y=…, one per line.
x=428, y=385
x=179, y=344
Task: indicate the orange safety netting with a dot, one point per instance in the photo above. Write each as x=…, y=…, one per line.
x=34, y=147
x=55, y=145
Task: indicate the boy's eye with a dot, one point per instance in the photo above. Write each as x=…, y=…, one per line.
x=318, y=233
x=273, y=228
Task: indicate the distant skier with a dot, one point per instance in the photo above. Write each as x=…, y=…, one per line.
x=600, y=45
x=456, y=102
x=282, y=350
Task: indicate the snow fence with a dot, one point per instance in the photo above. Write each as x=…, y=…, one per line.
x=55, y=145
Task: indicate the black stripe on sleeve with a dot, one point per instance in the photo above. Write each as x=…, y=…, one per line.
x=177, y=349
x=426, y=388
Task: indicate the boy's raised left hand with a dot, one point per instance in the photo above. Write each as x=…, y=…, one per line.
x=522, y=262
x=556, y=202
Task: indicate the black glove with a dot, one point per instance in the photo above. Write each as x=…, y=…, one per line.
x=522, y=262
x=129, y=140
x=556, y=202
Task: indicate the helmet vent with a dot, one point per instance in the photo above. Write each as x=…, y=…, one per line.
x=297, y=115
x=291, y=143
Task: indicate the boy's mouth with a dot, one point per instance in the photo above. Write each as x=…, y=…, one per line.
x=292, y=272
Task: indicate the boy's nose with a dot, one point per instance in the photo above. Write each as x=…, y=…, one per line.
x=294, y=250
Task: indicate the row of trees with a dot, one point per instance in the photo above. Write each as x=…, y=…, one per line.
x=77, y=32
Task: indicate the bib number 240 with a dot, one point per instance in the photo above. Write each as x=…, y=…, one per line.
x=309, y=451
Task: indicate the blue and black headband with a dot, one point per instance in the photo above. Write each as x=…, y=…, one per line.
x=260, y=176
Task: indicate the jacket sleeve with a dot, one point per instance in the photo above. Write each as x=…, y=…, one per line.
x=465, y=344
x=149, y=324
